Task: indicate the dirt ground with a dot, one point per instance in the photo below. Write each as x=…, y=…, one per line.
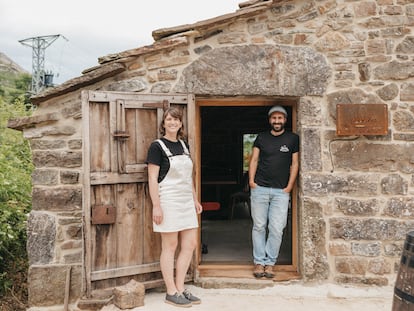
x=286, y=297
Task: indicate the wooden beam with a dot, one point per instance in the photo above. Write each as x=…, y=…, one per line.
x=126, y=271
x=104, y=178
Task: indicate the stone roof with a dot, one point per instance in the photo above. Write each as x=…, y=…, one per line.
x=164, y=38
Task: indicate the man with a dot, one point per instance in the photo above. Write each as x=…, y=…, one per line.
x=273, y=169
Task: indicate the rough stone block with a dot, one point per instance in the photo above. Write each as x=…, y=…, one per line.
x=57, y=199
x=46, y=284
x=130, y=295
x=41, y=235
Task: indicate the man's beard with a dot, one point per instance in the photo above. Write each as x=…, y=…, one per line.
x=277, y=129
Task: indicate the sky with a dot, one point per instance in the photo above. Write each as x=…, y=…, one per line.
x=89, y=29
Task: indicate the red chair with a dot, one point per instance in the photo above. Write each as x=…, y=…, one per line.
x=210, y=206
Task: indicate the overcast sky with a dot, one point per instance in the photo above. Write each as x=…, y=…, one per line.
x=91, y=28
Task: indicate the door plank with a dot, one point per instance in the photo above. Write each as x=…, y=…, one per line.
x=138, y=175
x=136, y=168
x=146, y=131
x=104, y=245
x=151, y=240
x=100, y=141
x=125, y=271
x=128, y=224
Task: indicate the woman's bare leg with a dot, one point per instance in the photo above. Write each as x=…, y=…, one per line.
x=169, y=241
x=188, y=242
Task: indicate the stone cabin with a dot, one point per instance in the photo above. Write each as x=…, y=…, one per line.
x=343, y=69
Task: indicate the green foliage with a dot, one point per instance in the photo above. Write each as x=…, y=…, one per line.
x=248, y=140
x=15, y=191
x=13, y=85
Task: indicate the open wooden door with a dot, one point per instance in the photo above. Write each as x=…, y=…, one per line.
x=119, y=243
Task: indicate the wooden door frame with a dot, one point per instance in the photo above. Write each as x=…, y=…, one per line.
x=286, y=272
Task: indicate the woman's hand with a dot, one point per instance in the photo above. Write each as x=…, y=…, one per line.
x=157, y=215
x=198, y=207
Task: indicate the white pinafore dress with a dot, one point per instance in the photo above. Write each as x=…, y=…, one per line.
x=176, y=193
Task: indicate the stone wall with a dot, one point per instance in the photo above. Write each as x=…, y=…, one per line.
x=55, y=223
x=355, y=193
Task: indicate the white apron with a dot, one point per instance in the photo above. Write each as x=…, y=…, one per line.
x=176, y=193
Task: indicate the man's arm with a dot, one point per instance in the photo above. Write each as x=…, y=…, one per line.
x=294, y=170
x=253, y=166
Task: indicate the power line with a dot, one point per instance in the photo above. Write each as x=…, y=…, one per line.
x=40, y=79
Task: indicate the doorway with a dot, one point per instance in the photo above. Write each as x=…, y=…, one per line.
x=227, y=130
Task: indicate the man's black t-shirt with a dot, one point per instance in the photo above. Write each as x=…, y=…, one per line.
x=158, y=157
x=275, y=158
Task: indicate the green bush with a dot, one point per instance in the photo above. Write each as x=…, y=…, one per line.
x=15, y=192
x=13, y=85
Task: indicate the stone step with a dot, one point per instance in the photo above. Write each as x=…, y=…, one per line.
x=93, y=304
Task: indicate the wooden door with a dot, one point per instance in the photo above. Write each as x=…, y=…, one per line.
x=118, y=129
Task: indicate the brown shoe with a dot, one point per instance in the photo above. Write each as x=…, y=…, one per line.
x=259, y=271
x=268, y=272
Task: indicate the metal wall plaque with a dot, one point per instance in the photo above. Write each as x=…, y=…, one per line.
x=361, y=119
x=103, y=214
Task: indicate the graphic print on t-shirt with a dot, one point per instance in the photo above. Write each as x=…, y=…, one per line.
x=284, y=148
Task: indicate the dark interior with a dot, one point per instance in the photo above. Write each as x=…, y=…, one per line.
x=226, y=231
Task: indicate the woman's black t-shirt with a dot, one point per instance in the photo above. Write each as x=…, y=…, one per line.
x=158, y=157
x=275, y=158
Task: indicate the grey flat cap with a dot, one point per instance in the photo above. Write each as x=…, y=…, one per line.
x=277, y=109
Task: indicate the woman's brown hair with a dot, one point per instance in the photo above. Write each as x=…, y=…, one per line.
x=175, y=113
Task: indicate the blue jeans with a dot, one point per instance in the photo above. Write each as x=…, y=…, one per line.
x=269, y=208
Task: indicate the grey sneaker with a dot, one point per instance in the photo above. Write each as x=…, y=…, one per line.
x=194, y=300
x=178, y=300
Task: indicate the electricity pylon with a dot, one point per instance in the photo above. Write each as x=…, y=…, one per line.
x=39, y=45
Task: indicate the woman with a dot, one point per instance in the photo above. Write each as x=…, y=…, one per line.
x=175, y=205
